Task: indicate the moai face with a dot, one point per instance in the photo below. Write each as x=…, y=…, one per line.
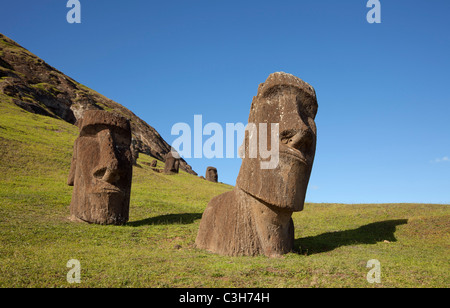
x=290, y=102
x=101, y=169
x=211, y=174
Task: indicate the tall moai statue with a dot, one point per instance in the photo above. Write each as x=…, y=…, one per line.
x=256, y=217
x=101, y=170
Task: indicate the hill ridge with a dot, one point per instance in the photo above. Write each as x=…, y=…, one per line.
x=35, y=86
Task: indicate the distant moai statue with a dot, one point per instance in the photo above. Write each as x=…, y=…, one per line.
x=172, y=164
x=154, y=163
x=101, y=169
x=211, y=174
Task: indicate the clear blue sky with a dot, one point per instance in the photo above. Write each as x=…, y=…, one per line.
x=383, y=89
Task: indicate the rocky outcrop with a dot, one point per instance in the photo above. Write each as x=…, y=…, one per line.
x=37, y=87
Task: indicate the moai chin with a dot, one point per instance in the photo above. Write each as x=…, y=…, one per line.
x=255, y=218
x=211, y=174
x=101, y=170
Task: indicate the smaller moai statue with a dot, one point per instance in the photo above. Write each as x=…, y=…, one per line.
x=172, y=165
x=211, y=174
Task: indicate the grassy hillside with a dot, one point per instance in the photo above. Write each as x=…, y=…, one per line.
x=155, y=249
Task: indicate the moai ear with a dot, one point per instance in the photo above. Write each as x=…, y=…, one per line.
x=73, y=165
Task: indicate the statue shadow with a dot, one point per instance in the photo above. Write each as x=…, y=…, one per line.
x=368, y=234
x=169, y=219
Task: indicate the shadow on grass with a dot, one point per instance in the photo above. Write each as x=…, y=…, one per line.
x=170, y=219
x=368, y=234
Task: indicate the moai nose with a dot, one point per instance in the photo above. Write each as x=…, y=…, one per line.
x=108, y=168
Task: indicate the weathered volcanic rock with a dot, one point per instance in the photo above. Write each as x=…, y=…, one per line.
x=255, y=218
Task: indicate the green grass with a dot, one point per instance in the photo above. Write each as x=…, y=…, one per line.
x=156, y=248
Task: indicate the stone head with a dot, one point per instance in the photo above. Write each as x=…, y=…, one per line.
x=101, y=169
x=172, y=163
x=211, y=174
x=290, y=102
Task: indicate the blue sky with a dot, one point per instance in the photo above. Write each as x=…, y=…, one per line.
x=384, y=102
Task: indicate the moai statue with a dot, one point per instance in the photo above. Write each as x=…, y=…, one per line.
x=154, y=163
x=172, y=165
x=255, y=218
x=211, y=174
x=101, y=169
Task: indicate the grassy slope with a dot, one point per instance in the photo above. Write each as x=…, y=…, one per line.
x=334, y=241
